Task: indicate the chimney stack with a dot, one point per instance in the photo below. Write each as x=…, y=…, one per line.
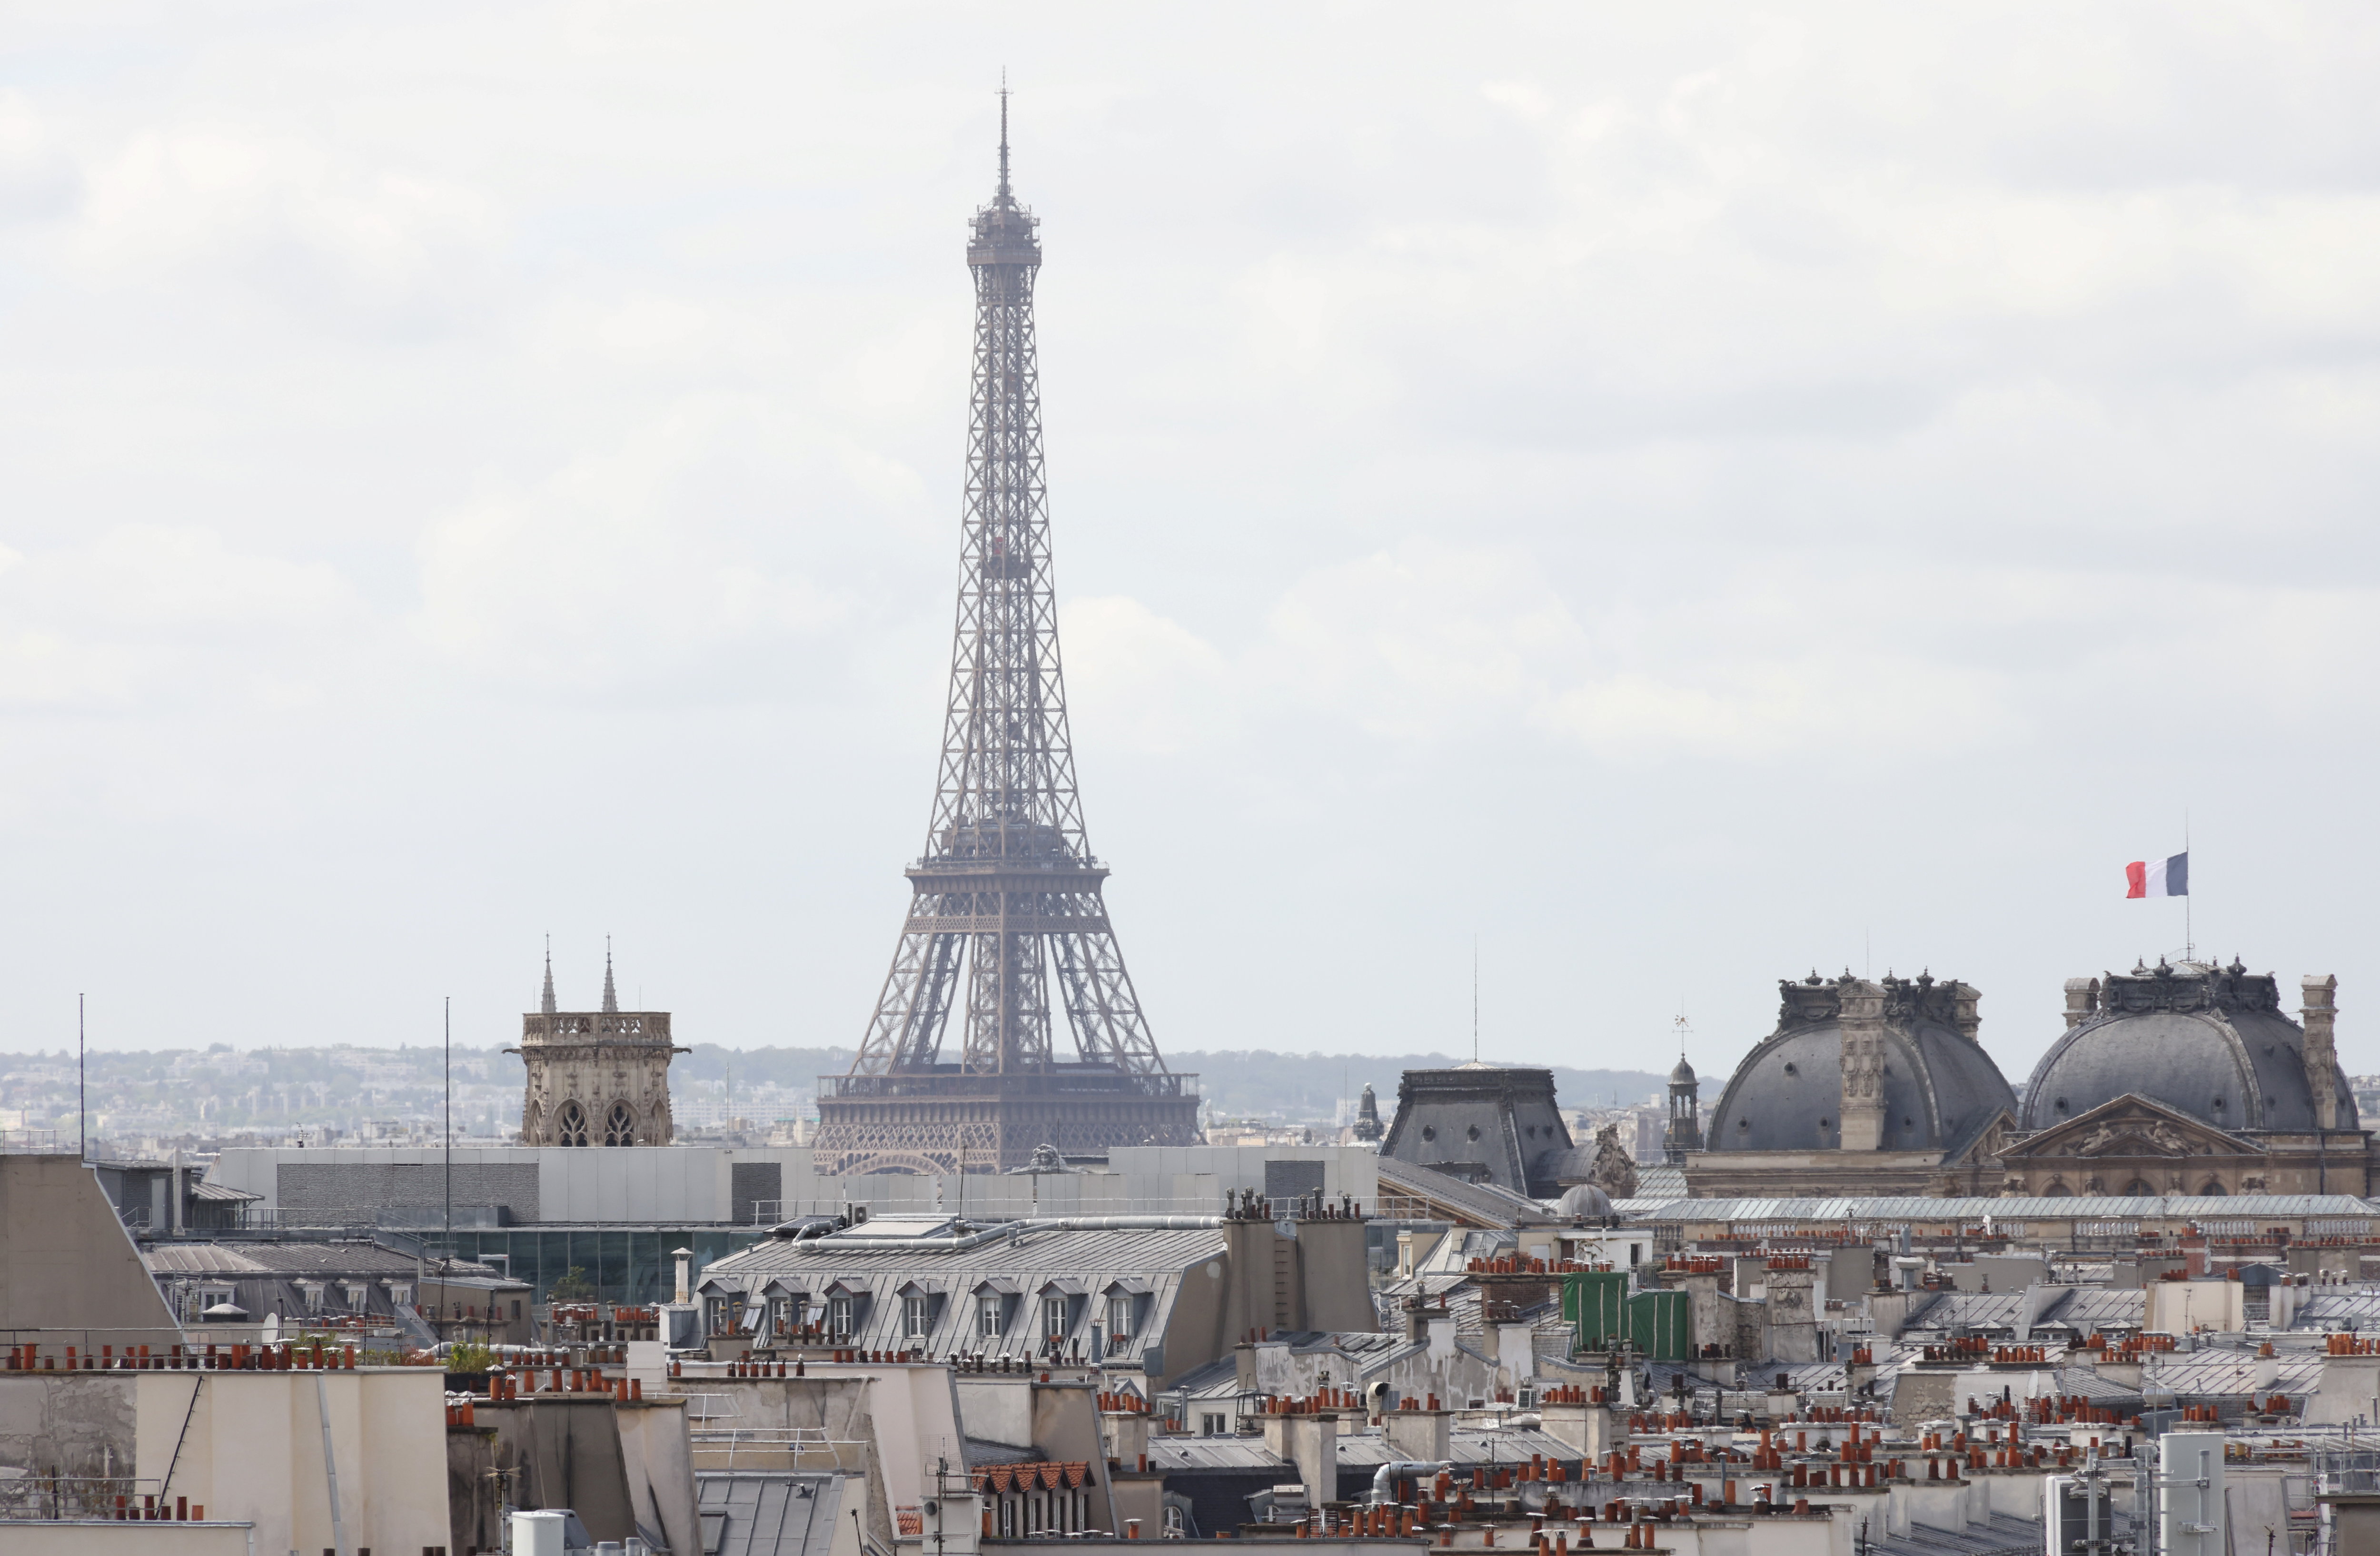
x=2320, y=1015
x=2082, y=1000
x=1861, y=1108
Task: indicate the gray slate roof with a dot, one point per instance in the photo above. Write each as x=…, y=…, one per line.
x=762, y=1513
x=1929, y=1212
x=1079, y=1265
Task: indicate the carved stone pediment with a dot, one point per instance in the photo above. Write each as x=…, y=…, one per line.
x=1990, y=1143
x=2130, y=1126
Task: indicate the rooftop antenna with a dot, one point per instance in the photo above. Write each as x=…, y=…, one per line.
x=82, y=1092
x=1475, y=999
x=449, y=1246
x=2189, y=942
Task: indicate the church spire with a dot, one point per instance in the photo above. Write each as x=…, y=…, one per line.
x=545, y=1002
x=611, y=996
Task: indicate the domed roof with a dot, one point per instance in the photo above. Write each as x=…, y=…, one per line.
x=1585, y=1200
x=1939, y=1085
x=2206, y=1040
x=1684, y=1074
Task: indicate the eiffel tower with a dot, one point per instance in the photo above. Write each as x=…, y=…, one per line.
x=1007, y=884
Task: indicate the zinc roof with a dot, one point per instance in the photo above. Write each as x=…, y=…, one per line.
x=758, y=1513
x=1483, y=1202
x=1072, y=1252
x=1916, y=1208
x=295, y=1259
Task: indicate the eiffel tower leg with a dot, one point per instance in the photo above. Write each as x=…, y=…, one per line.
x=1008, y=999
x=1101, y=1005
x=907, y=1026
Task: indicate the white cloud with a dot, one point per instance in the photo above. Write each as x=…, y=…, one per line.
x=150, y=613
x=614, y=571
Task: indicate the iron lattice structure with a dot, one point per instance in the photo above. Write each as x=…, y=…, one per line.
x=1007, y=885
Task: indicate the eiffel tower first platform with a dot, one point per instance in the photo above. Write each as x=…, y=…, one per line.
x=1007, y=885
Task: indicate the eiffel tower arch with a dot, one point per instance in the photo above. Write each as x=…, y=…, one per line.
x=1007, y=890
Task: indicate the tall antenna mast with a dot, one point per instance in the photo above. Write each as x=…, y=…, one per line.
x=1004, y=133
x=82, y=1092
x=449, y=1249
x=1475, y=999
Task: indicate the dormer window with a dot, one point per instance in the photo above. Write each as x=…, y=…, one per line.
x=838, y=1315
x=359, y=1296
x=987, y=1315
x=313, y=1290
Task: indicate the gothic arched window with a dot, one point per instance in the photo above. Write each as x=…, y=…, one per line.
x=620, y=1128
x=570, y=1126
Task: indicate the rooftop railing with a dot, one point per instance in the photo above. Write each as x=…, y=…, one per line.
x=77, y=1498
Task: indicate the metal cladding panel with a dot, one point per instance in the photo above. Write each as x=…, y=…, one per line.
x=1597, y=1304
x=1660, y=1324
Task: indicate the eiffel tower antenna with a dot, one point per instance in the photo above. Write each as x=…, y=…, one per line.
x=1004, y=195
x=1007, y=882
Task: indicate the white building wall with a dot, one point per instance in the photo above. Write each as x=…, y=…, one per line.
x=667, y=1186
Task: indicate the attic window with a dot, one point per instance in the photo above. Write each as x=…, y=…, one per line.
x=1790, y=1069
x=1472, y=1133
x=1430, y=1131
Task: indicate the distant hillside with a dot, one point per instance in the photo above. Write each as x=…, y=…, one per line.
x=1258, y=1083
x=1253, y=1084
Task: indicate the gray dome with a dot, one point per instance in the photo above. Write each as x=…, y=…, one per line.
x=2208, y=1041
x=1939, y=1085
x=1585, y=1200
x=1684, y=1074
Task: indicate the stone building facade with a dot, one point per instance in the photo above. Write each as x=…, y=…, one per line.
x=2179, y=1079
x=595, y=1078
x=2191, y=1078
x=1866, y=1086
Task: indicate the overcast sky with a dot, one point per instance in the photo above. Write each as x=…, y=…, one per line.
x=1683, y=495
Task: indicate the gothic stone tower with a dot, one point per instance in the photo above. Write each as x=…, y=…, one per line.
x=595, y=1078
x=1007, y=882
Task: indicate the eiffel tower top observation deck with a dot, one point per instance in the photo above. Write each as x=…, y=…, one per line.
x=1007, y=883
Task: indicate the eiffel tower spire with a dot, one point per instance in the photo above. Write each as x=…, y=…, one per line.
x=1007, y=884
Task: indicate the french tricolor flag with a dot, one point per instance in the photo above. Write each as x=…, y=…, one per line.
x=2158, y=878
